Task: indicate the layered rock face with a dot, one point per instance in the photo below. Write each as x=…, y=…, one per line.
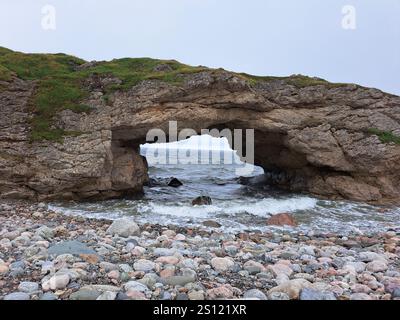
x=314, y=139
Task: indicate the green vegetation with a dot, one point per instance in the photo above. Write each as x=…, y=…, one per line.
x=385, y=136
x=60, y=82
x=5, y=74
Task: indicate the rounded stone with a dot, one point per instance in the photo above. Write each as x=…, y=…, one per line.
x=17, y=296
x=311, y=294
x=222, y=264
x=28, y=287
x=377, y=266
x=124, y=228
x=254, y=294
x=48, y=296
x=144, y=265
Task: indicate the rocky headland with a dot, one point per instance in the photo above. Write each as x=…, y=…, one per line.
x=71, y=129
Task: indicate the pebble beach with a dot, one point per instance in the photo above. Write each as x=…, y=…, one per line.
x=46, y=255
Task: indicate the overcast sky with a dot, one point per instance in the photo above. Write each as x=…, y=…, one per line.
x=263, y=37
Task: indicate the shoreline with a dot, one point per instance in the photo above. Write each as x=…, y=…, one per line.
x=46, y=255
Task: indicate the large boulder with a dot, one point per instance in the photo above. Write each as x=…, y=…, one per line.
x=124, y=228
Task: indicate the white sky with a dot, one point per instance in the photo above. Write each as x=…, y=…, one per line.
x=264, y=37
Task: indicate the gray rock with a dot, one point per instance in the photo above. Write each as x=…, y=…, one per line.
x=107, y=266
x=17, y=265
x=396, y=293
x=166, y=296
x=48, y=296
x=135, y=286
x=178, y=280
x=182, y=296
x=70, y=247
x=360, y=296
x=125, y=268
x=45, y=232
x=28, y=287
x=124, y=228
x=144, y=265
x=311, y=294
x=202, y=201
x=85, y=294
x=164, y=252
x=5, y=207
x=278, y=296
x=255, y=294
x=17, y=296
x=107, y=295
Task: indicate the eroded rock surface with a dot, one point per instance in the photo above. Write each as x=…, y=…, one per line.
x=314, y=139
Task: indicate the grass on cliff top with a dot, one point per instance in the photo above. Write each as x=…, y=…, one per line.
x=60, y=83
x=385, y=136
x=5, y=74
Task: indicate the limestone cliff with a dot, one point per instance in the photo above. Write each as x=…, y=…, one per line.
x=331, y=140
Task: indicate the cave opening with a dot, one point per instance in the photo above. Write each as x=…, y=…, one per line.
x=199, y=166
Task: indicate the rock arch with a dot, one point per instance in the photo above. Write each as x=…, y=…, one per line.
x=316, y=139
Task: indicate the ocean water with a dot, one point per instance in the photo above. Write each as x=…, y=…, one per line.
x=235, y=206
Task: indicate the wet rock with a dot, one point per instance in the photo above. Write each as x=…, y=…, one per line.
x=311, y=294
x=282, y=219
x=70, y=247
x=124, y=228
x=202, y=201
x=175, y=183
x=211, y=224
